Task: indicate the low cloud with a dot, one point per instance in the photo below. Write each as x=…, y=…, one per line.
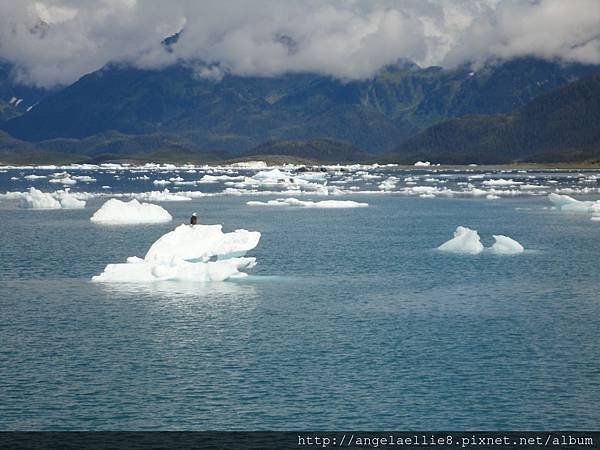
x=52, y=42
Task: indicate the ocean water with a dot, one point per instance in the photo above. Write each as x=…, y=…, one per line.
x=351, y=320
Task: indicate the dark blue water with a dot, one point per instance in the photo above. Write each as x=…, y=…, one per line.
x=350, y=320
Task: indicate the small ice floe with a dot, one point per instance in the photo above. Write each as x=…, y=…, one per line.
x=62, y=178
x=506, y=246
x=33, y=177
x=69, y=201
x=501, y=182
x=388, y=184
x=190, y=252
x=467, y=241
x=569, y=204
x=209, y=179
x=117, y=212
x=250, y=165
x=36, y=199
x=309, y=204
x=161, y=196
x=422, y=164
x=84, y=178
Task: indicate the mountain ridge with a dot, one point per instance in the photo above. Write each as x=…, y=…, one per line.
x=236, y=114
x=557, y=123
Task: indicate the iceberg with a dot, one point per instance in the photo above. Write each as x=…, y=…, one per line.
x=506, y=246
x=36, y=199
x=309, y=204
x=189, y=253
x=160, y=196
x=250, y=165
x=39, y=200
x=273, y=175
x=117, y=212
x=388, y=184
x=501, y=182
x=465, y=240
x=69, y=201
x=569, y=204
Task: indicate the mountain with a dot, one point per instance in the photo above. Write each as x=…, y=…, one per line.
x=109, y=146
x=237, y=114
x=560, y=125
x=16, y=98
x=327, y=150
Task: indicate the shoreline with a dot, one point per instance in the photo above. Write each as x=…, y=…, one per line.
x=297, y=162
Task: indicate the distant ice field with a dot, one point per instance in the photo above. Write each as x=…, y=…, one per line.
x=352, y=318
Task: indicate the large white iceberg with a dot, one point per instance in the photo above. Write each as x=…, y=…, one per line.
x=118, y=212
x=309, y=204
x=190, y=253
x=465, y=240
x=506, y=246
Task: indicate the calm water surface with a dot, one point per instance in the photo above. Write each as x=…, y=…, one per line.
x=351, y=319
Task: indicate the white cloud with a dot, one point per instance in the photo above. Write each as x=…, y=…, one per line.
x=56, y=41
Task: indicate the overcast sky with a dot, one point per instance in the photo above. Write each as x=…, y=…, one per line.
x=54, y=42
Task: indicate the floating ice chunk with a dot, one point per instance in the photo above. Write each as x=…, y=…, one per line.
x=309, y=204
x=34, y=177
x=65, y=181
x=185, y=254
x=422, y=164
x=465, y=240
x=70, y=201
x=201, y=242
x=115, y=211
x=84, y=178
x=161, y=196
x=217, y=178
x=501, y=182
x=39, y=200
x=388, y=184
x=506, y=246
x=569, y=204
x=274, y=174
x=311, y=175
x=250, y=165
